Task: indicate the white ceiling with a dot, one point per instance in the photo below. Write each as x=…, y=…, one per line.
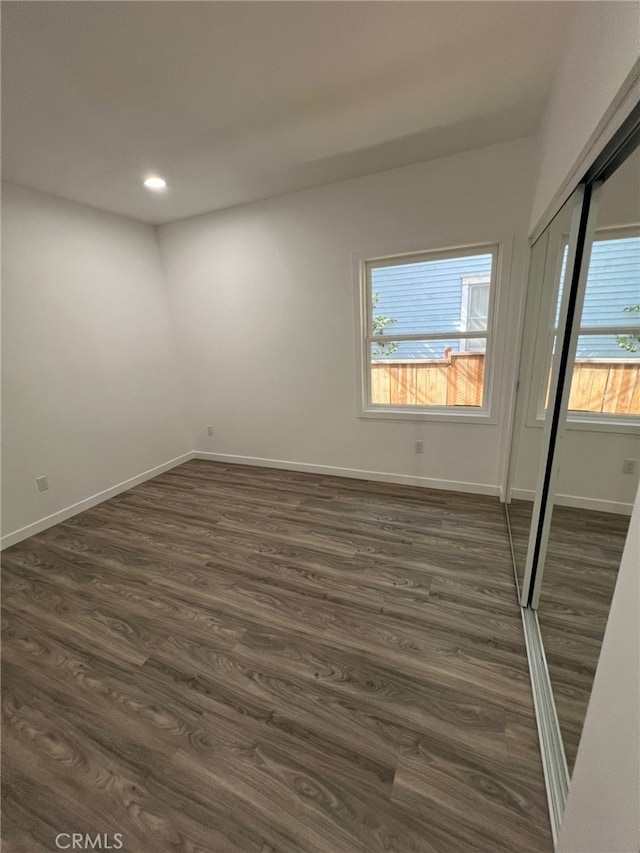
x=235, y=101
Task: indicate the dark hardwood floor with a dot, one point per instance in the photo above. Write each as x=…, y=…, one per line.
x=581, y=568
x=235, y=659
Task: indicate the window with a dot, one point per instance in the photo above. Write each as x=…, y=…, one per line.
x=605, y=383
x=475, y=308
x=427, y=332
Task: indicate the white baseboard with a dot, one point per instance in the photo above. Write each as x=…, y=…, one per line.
x=328, y=470
x=87, y=503
x=354, y=473
x=618, y=507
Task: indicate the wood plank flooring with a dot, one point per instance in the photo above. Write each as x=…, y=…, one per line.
x=581, y=568
x=231, y=659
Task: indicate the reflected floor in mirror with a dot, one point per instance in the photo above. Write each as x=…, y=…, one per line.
x=241, y=659
x=519, y=513
x=581, y=568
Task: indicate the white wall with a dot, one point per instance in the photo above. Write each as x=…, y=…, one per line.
x=603, y=809
x=590, y=474
x=264, y=298
x=91, y=393
x=601, y=56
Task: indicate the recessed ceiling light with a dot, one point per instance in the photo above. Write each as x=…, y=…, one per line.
x=154, y=182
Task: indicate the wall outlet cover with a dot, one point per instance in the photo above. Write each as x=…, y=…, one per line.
x=43, y=484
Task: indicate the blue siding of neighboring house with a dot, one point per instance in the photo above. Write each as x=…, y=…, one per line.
x=428, y=296
x=423, y=296
x=612, y=285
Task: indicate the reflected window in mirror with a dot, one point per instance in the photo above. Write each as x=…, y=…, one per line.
x=606, y=372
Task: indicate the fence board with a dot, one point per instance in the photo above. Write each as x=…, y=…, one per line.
x=588, y=386
x=634, y=403
x=421, y=387
x=627, y=382
x=612, y=392
x=457, y=380
x=598, y=378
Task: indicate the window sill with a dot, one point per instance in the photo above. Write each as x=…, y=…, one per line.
x=579, y=423
x=460, y=415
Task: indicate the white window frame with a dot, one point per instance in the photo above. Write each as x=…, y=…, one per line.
x=451, y=414
x=576, y=420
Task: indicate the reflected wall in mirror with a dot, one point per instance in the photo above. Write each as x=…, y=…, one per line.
x=546, y=275
x=595, y=491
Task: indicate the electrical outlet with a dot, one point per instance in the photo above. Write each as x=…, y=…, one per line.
x=209, y=429
x=629, y=466
x=419, y=447
x=43, y=484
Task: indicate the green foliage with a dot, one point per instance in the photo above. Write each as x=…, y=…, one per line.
x=380, y=323
x=630, y=343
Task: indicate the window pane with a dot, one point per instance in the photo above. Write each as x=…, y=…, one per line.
x=427, y=373
x=612, y=297
x=428, y=296
x=606, y=375
x=479, y=303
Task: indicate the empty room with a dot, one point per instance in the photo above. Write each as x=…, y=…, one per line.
x=321, y=426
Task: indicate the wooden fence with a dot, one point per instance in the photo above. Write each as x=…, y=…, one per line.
x=606, y=386
x=457, y=380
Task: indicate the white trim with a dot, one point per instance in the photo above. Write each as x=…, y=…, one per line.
x=580, y=421
x=353, y=473
x=554, y=762
x=549, y=318
x=405, y=360
x=432, y=336
x=439, y=414
x=87, y=503
x=518, y=395
x=577, y=502
x=607, y=332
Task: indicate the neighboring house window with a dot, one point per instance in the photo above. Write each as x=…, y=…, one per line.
x=428, y=329
x=605, y=383
x=475, y=309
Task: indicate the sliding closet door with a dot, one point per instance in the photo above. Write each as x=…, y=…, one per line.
x=568, y=310
x=551, y=300
x=598, y=457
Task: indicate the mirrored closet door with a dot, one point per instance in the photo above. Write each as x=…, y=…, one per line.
x=575, y=452
x=547, y=270
x=597, y=457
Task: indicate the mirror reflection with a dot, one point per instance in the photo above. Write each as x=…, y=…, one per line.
x=546, y=275
x=597, y=457
x=597, y=445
